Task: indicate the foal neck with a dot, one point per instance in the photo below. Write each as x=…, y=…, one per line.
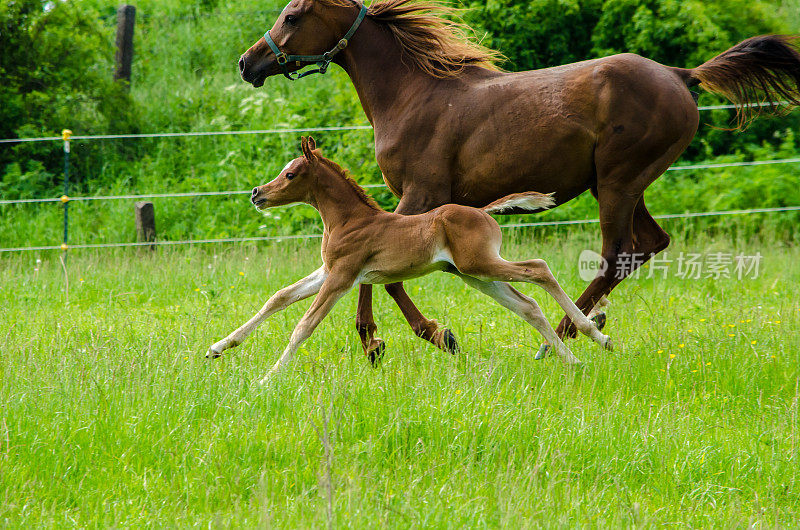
x=338, y=198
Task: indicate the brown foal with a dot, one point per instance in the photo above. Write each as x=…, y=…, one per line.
x=362, y=244
x=450, y=128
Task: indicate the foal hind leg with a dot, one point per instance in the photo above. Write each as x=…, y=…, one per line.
x=525, y=307
x=536, y=271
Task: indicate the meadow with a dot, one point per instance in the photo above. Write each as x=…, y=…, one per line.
x=112, y=416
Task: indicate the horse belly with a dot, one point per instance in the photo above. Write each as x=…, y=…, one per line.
x=559, y=160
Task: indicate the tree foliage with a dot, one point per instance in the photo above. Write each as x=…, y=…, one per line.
x=55, y=69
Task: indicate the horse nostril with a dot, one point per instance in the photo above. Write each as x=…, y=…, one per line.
x=241, y=64
x=255, y=192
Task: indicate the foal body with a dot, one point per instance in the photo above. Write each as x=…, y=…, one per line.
x=363, y=244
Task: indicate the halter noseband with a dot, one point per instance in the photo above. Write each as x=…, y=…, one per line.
x=323, y=61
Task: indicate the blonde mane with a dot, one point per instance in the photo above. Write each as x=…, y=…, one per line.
x=438, y=46
x=341, y=172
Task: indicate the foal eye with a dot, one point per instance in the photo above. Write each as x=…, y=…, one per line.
x=291, y=19
x=290, y=176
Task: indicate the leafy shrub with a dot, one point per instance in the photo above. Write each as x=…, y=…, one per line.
x=55, y=72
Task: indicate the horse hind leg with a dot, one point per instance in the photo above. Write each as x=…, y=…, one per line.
x=627, y=160
x=374, y=347
x=424, y=328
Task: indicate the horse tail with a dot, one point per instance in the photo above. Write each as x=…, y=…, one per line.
x=756, y=73
x=529, y=200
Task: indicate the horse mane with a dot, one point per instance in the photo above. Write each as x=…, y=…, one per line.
x=341, y=172
x=438, y=46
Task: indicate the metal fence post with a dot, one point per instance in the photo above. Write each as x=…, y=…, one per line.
x=66, y=134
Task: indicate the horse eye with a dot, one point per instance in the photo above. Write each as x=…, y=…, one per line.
x=291, y=19
x=290, y=176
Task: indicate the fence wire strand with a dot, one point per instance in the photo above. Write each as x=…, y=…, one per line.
x=686, y=215
x=285, y=131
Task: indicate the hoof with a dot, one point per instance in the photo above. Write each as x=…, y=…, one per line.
x=375, y=355
x=449, y=342
x=599, y=320
x=608, y=344
x=544, y=351
x=211, y=354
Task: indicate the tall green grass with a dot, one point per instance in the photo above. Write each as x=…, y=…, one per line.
x=111, y=415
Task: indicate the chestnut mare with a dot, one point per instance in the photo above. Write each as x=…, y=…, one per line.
x=450, y=128
x=363, y=244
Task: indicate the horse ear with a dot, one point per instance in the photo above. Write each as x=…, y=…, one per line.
x=308, y=145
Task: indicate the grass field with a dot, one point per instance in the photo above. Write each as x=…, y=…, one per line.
x=111, y=415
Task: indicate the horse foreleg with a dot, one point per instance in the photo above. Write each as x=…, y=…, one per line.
x=300, y=290
x=365, y=325
x=335, y=286
x=429, y=330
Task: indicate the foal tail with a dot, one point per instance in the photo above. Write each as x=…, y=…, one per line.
x=529, y=200
x=756, y=73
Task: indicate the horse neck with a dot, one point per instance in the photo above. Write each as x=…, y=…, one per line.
x=336, y=199
x=373, y=60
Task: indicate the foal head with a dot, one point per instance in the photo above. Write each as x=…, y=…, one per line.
x=295, y=183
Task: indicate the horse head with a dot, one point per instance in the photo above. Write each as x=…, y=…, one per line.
x=306, y=32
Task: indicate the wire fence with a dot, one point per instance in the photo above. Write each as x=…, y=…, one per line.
x=65, y=199
x=279, y=131
x=687, y=215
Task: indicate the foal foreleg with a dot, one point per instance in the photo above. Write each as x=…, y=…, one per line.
x=525, y=307
x=300, y=290
x=332, y=290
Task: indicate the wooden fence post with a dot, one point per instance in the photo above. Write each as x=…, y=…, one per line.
x=145, y=222
x=126, y=17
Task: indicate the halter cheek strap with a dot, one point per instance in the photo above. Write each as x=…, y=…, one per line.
x=322, y=61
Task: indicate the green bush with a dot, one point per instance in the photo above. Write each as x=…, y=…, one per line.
x=55, y=72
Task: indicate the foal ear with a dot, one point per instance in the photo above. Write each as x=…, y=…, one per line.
x=308, y=145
